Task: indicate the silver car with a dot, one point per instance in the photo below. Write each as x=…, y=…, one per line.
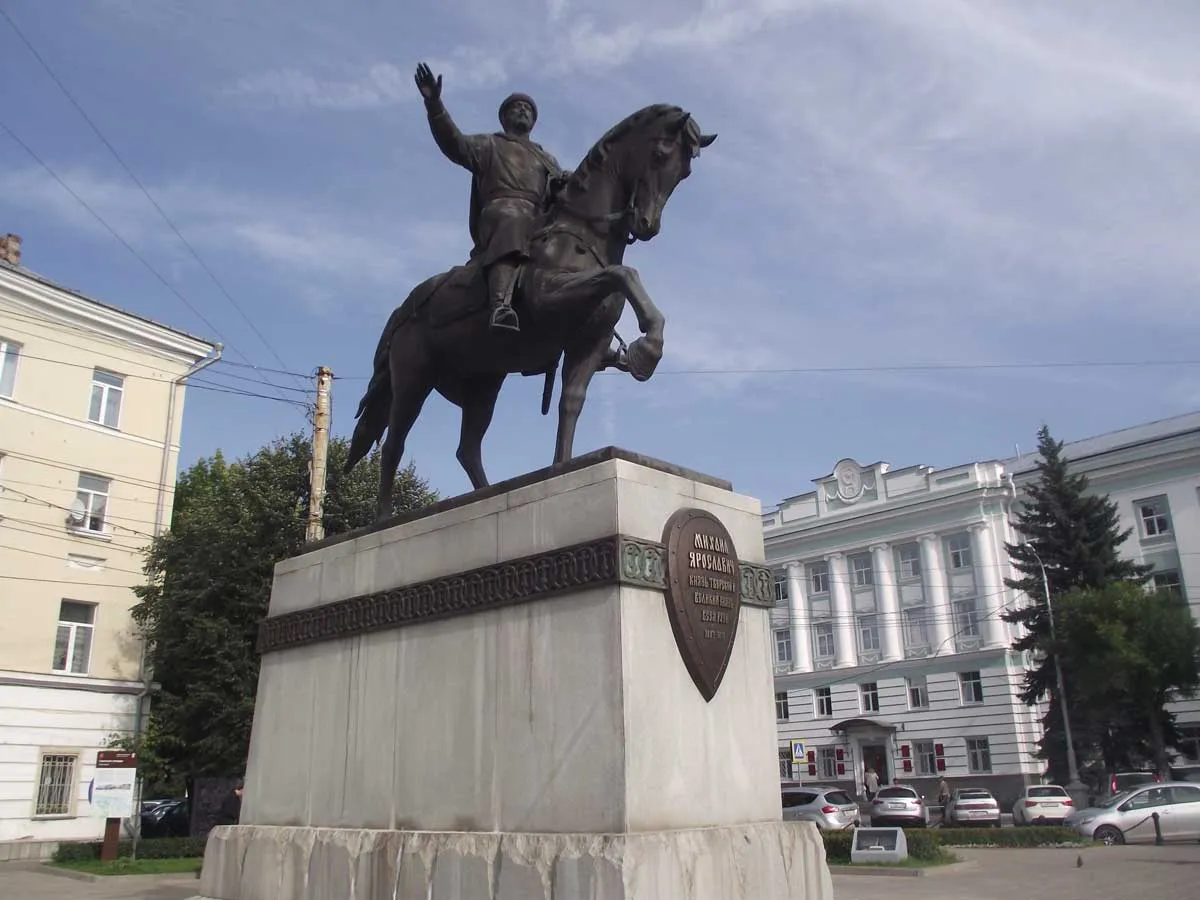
x=831, y=808
x=898, y=805
x=1129, y=816
x=972, y=806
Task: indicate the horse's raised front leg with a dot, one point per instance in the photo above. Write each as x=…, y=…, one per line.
x=644, y=352
x=577, y=372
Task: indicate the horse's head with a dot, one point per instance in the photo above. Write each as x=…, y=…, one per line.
x=659, y=157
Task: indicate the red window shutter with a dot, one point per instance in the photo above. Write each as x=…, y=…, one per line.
x=841, y=754
x=941, y=764
x=908, y=765
x=905, y=751
x=841, y=768
x=812, y=756
x=812, y=769
x=938, y=750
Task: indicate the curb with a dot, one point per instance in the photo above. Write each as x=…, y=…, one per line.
x=901, y=871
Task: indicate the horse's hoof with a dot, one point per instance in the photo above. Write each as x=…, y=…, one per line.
x=643, y=358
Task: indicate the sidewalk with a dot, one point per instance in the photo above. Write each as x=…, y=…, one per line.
x=31, y=881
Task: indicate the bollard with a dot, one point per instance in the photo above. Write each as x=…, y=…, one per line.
x=1158, y=838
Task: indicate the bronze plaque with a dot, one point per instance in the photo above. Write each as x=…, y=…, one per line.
x=704, y=594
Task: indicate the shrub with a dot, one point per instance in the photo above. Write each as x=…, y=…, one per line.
x=151, y=848
x=1036, y=836
x=929, y=845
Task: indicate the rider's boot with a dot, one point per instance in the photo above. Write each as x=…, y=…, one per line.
x=501, y=279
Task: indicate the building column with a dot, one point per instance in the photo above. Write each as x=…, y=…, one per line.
x=802, y=654
x=887, y=595
x=988, y=586
x=940, y=625
x=843, y=611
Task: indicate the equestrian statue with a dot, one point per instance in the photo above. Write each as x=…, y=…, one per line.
x=545, y=280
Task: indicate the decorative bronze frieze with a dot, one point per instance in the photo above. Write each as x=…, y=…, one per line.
x=607, y=561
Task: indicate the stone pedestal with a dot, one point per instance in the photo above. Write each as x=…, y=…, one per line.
x=488, y=700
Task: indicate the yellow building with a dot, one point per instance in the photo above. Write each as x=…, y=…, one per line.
x=91, y=409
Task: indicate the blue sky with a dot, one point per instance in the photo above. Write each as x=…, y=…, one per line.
x=895, y=185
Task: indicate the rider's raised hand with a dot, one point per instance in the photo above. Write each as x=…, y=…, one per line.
x=429, y=86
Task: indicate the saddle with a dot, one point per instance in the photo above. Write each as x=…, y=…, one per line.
x=462, y=292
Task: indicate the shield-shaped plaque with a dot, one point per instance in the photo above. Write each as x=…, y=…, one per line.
x=704, y=594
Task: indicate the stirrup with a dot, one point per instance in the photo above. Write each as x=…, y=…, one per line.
x=505, y=317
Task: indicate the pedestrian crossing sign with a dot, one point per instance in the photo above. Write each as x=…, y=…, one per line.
x=798, y=751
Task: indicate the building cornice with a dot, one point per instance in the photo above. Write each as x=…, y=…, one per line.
x=74, y=683
x=54, y=304
x=857, y=674
x=874, y=519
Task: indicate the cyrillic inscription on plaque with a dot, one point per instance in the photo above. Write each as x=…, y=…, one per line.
x=704, y=594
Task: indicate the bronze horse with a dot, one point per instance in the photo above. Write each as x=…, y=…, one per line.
x=571, y=293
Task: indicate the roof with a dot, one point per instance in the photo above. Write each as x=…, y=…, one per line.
x=1114, y=440
x=46, y=282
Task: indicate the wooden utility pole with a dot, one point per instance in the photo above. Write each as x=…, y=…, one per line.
x=320, y=455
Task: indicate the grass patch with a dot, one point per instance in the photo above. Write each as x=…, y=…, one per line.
x=150, y=848
x=126, y=866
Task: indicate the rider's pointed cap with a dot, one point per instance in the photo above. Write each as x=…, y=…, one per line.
x=513, y=98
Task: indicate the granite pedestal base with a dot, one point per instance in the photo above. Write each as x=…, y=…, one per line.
x=495, y=685
x=766, y=861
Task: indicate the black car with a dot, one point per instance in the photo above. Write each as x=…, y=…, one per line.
x=170, y=818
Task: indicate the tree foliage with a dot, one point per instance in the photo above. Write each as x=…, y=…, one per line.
x=1129, y=653
x=1076, y=536
x=209, y=582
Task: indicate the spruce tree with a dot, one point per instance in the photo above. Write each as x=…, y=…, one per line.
x=1076, y=535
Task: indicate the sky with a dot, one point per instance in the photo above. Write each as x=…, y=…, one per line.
x=982, y=216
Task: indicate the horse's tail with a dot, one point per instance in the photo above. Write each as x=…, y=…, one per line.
x=376, y=404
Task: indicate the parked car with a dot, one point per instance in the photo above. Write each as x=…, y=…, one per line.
x=1128, y=817
x=830, y=808
x=897, y=805
x=972, y=806
x=1186, y=773
x=1042, y=804
x=1119, y=782
x=171, y=818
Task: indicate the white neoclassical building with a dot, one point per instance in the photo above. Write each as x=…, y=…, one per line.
x=890, y=647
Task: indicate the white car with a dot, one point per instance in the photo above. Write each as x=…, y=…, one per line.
x=972, y=806
x=1043, y=804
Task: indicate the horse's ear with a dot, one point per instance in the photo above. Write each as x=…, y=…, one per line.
x=706, y=139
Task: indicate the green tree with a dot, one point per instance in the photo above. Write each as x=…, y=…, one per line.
x=1075, y=535
x=1130, y=653
x=209, y=582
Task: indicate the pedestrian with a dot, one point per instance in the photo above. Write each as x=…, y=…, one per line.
x=943, y=795
x=231, y=807
x=872, y=784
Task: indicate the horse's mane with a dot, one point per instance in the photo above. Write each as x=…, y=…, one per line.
x=598, y=155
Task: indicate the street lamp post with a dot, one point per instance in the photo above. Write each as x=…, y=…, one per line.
x=1076, y=788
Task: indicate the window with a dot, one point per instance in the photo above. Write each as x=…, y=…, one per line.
x=785, y=763
x=781, y=706
x=781, y=590
x=824, y=702
x=910, y=561
x=918, y=692
x=868, y=633
x=10, y=352
x=91, y=503
x=827, y=762
x=783, y=645
x=823, y=635
x=56, y=785
x=979, y=755
x=966, y=619
x=1154, y=516
x=914, y=628
x=960, y=551
x=870, y=697
x=971, y=687
x=860, y=571
x=926, y=757
x=818, y=578
x=73, y=641
x=1170, y=582
x=107, y=390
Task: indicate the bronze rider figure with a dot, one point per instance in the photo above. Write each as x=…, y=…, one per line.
x=512, y=178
